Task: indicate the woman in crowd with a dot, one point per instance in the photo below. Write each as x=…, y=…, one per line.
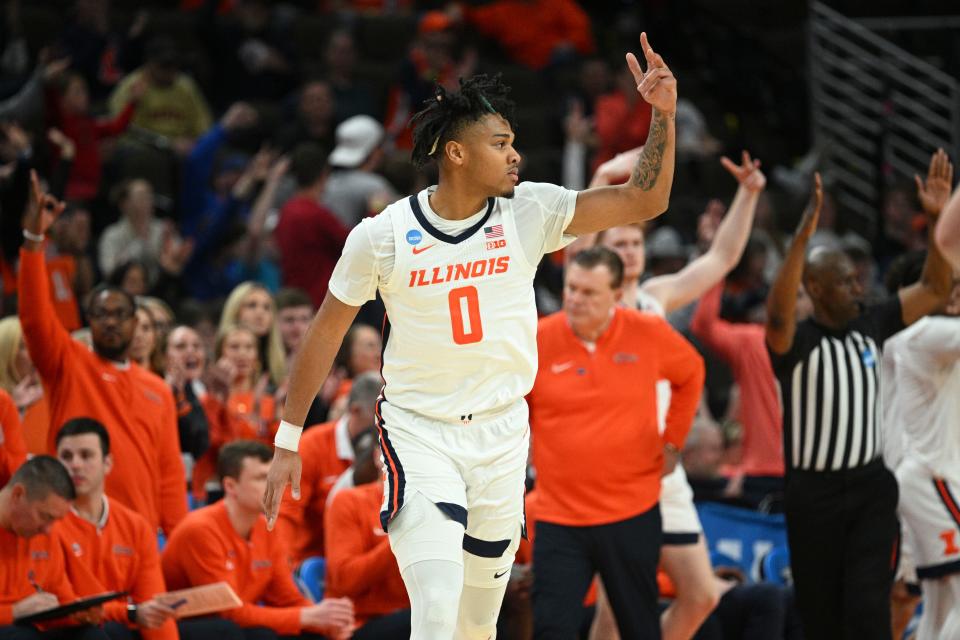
x=250, y=304
x=203, y=421
x=19, y=379
x=143, y=347
x=253, y=408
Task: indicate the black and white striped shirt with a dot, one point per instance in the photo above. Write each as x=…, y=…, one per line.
x=829, y=385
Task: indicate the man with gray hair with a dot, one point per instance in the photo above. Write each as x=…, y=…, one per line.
x=328, y=449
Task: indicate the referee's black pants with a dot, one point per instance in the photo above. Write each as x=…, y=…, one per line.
x=624, y=553
x=842, y=528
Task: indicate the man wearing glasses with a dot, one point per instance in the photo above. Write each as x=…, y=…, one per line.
x=136, y=406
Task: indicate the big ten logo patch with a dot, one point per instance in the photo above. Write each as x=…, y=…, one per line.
x=496, y=244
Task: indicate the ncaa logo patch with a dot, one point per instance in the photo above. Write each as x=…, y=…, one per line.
x=414, y=237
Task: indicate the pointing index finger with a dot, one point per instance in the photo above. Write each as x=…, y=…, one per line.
x=648, y=50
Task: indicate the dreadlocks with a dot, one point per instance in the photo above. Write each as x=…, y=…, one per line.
x=446, y=114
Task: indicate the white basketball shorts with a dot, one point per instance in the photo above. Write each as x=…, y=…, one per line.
x=929, y=508
x=473, y=471
x=681, y=524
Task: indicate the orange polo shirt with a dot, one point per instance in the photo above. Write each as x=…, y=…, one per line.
x=13, y=450
x=301, y=522
x=360, y=563
x=596, y=445
x=134, y=405
x=205, y=548
x=40, y=556
x=118, y=554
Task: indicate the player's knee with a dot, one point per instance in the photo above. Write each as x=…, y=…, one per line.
x=438, y=608
x=700, y=597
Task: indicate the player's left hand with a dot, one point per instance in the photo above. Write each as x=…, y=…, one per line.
x=657, y=84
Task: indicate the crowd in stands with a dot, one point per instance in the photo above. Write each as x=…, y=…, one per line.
x=176, y=187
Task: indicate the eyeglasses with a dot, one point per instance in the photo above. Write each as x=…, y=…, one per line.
x=120, y=315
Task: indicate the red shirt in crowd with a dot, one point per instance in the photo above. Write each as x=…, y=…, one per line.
x=531, y=30
x=743, y=347
x=310, y=239
x=86, y=132
x=620, y=125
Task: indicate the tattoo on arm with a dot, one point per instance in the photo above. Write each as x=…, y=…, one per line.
x=648, y=166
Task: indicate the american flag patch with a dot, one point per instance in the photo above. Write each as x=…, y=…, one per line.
x=496, y=231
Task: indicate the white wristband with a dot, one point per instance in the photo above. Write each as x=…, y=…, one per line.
x=34, y=237
x=288, y=436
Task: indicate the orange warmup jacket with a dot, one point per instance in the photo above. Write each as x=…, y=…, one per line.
x=13, y=450
x=596, y=446
x=300, y=522
x=205, y=549
x=40, y=557
x=120, y=555
x=360, y=563
x=134, y=405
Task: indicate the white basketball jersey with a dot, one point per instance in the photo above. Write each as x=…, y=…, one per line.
x=461, y=319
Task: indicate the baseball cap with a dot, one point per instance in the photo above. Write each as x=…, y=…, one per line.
x=356, y=137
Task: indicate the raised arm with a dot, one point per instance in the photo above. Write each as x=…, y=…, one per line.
x=677, y=290
x=647, y=193
x=310, y=368
x=782, y=300
x=936, y=281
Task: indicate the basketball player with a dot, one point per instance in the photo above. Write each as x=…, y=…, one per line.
x=684, y=552
x=921, y=385
x=454, y=265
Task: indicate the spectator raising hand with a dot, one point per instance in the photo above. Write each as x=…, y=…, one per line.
x=42, y=211
x=175, y=252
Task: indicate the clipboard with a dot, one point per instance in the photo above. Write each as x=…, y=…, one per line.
x=201, y=600
x=65, y=610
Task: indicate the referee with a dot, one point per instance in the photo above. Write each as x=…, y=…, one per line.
x=840, y=498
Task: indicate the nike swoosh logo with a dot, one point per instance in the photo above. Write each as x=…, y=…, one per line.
x=419, y=250
x=560, y=368
x=501, y=574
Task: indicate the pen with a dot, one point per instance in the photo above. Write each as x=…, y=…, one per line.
x=178, y=603
x=31, y=576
